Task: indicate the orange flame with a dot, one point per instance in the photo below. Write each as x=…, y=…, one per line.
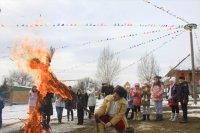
x=34, y=58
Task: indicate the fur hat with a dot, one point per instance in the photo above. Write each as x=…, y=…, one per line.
x=120, y=91
x=173, y=79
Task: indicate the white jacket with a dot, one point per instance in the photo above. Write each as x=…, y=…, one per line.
x=59, y=101
x=32, y=98
x=91, y=97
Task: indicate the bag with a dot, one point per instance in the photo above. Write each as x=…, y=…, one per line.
x=172, y=102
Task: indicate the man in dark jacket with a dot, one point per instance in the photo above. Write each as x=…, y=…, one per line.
x=70, y=105
x=182, y=95
x=47, y=107
x=80, y=105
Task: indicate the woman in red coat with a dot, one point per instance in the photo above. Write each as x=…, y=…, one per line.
x=136, y=93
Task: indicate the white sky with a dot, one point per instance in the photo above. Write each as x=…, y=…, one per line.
x=80, y=61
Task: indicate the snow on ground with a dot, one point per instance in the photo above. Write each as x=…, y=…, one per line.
x=16, y=113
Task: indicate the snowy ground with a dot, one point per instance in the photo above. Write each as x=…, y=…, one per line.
x=13, y=116
x=16, y=113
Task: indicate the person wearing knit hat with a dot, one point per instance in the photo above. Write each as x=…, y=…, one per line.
x=145, y=100
x=182, y=96
x=157, y=96
x=136, y=93
x=172, y=99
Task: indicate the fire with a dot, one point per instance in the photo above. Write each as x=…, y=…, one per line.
x=34, y=58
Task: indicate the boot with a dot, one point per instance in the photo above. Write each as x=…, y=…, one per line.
x=67, y=117
x=175, y=117
x=148, y=117
x=172, y=116
x=132, y=115
x=157, y=117
x=144, y=117
x=100, y=128
x=160, y=117
x=59, y=120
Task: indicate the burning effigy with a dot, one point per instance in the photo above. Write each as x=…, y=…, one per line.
x=34, y=58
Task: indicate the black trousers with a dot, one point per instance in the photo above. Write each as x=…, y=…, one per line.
x=92, y=108
x=68, y=113
x=184, y=108
x=175, y=109
x=80, y=114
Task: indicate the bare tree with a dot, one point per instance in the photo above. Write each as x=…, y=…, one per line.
x=147, y=68
x=84, y=83
x=19, y=78
x=108, y=66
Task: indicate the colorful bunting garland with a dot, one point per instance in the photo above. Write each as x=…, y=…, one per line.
x=90, y=25
x=149, y=41
x=166, y=11
x=131, y=47
x=119, y=37
x=197, y=41
x=152, y=51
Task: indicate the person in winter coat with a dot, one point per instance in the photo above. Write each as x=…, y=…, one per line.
x=107, y=89
x=70, y=105
x=47, y=107
x=91, y=99
x=60, y=104
x=1, y=108
x=130, y=100
x=182, y=95
x=112, y=111
x=33, y=97
x=157, y=96
x=145, y=101
x=172, y=99
x=80, y=105
x=136, y=93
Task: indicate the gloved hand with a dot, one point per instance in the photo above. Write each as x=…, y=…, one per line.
x=185, y=101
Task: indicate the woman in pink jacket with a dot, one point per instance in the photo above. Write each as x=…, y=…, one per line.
x=157, y=96
x=136, y=93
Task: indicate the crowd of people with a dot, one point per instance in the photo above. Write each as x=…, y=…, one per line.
x=115, y=108
x=80, y=101
x=117, y=104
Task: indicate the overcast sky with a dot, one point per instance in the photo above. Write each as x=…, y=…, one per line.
x=76, y=61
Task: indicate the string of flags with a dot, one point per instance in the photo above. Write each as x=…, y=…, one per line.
x=166, y=11
x=119, y=37
x=89, y=25
x=198, y=45
x=131, y=47
x=149, y=41
x=152, y=51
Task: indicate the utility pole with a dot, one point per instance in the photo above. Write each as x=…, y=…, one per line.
x=190, y=27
